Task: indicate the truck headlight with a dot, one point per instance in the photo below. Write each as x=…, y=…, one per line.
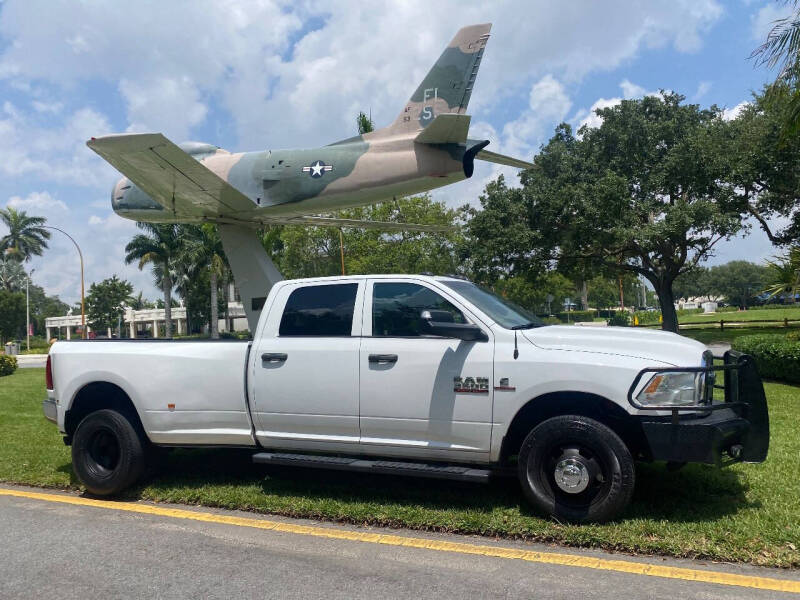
x=673, y=389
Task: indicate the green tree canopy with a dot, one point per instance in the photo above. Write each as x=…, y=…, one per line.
x=12, y=274
x=643, y=193
x=105, y=302
x=12, y=314
x=26, y=237
x=159, y=246
x=739, y=281
x=301, y=251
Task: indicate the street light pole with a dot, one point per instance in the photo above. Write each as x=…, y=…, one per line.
x=80, y=256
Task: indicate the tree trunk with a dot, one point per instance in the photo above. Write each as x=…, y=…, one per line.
x=167, y=303
x=214, y=308
x=584, y=295
x=666, y=298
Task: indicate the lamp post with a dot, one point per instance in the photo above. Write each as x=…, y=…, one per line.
x=80, y=256
x=28, y=312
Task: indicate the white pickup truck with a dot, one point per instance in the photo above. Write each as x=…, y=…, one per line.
x=413, y=375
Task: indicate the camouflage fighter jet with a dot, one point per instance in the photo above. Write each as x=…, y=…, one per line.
x=426, y=147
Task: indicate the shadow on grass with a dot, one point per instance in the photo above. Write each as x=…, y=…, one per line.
x=693, y=494
x=67, y=468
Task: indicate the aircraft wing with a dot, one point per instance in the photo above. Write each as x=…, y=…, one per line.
x=170, y=176
x=334, y=222
x=501, y=159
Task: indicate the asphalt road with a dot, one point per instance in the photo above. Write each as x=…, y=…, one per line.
x=52, y=549
x=27, y=361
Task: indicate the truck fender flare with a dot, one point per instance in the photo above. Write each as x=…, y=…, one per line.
x=570, y=402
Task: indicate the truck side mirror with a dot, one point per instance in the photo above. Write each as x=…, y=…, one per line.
x=447, y=327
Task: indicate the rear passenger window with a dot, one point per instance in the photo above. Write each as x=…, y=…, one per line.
x=396, y=308
x=320, y=310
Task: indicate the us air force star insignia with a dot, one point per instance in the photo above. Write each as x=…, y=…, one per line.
x=317, y=169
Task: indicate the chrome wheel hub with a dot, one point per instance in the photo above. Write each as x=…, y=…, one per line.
x=571, y=476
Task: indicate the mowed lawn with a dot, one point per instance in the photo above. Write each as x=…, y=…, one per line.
x=748, y=513
x=743, y=316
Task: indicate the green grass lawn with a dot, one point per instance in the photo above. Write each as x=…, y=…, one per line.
x=748, y=513
x=773, y=314
x=709, y=335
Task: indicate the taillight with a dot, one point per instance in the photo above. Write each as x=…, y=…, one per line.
x=48, y=374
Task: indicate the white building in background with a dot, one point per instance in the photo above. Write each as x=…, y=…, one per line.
x=149, y=322
x=698, y=301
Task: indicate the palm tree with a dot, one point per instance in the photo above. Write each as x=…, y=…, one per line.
x=782, y=49
x=203, y=250
x=12, y=274
x=160, y=247
x=784, y=275
x=26, y=237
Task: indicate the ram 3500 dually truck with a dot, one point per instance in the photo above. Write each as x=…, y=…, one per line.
x=414, y=375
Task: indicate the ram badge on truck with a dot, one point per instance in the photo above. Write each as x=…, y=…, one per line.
x=414, y=375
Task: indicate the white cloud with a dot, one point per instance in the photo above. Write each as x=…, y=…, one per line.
x=163, y=104
x=53, y=153
x=630, y=91
x=95, y=220
x=731, y=113
x=40, y=203
x=702, y=89
x=764, y=19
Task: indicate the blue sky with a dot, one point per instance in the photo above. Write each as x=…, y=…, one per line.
x=249, y=75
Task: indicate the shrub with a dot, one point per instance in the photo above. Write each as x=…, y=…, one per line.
x=551, y=320
x=577, y=316
x=621, y=319
x=776, y=356
x=794, y=336
x=8, y=364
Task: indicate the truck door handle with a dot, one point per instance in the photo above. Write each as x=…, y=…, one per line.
x=274, y=357
x=382, y=359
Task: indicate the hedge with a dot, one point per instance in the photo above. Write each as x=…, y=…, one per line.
x=777, y=357
x=8, y=364
x=577, y=316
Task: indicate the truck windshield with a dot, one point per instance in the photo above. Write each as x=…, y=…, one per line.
x=505, y=313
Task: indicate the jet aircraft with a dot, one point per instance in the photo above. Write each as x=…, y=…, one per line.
x=427, y=146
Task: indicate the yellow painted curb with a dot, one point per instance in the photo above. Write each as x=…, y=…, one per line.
x=553, y=558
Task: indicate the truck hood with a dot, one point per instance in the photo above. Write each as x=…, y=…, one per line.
x=662, y=346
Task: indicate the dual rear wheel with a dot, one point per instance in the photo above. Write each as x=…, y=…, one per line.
x=108, y=454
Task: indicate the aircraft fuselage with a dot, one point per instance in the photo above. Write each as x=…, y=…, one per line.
x=284, y=183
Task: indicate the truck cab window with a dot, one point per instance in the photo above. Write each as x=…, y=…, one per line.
x=396, y=309
x=319, y=310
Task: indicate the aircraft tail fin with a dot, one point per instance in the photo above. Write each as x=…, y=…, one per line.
x=448, y=85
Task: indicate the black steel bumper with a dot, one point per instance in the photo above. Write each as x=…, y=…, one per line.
x=719, y=433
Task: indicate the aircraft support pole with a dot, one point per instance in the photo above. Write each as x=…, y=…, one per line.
x=253, y=270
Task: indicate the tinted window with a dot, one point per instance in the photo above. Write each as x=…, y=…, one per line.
x=396, y=308
x=323, y=310
x=503, y=311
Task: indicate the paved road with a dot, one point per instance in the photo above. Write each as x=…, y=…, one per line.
x=31, y=360
x=53, y=549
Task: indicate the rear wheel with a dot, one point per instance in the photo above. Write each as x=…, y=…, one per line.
x=107, y=453
x=577, y=469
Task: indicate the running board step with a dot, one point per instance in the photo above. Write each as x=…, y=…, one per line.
x=388, y=467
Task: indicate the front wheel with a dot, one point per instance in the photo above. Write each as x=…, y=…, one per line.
x=576, y=469
x=107, y=453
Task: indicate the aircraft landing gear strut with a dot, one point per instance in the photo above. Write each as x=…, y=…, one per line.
x=253, y=270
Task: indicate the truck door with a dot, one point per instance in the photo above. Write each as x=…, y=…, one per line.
x=305, y=367
x=431, y=396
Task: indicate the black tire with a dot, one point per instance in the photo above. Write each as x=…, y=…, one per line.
x=594, y=463
x=107, y=453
